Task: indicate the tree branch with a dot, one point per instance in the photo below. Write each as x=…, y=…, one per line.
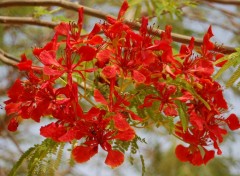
x=61, y=3
x=227, y=2
x=96, y=13
x=8, y=59
x=26, y=20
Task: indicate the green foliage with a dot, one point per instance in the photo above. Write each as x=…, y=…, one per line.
x=40, y=159
x=189, y=87
x=44, y=11
x=182, y=111
x=159, y=7
x=233, y=60
x=134, y=149
x=143, y=165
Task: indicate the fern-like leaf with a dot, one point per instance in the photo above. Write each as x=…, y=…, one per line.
x=20, y=161
x=233, y=78
x=143, y=165
x=232, y=60
x=59, y=155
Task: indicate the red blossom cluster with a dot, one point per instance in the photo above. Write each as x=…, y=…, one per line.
x=115, y=57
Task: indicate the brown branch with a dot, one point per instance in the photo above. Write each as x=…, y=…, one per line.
x=96, y=13
x=8, y=59
x=26, y=20
x=227, y=2
x=61, y=3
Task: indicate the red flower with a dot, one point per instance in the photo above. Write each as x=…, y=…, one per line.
x=193, y=155
x=93, y=127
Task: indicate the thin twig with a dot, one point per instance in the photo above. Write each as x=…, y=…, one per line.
x=26, y=20
x=9, y=55
x=96, y=13
x=8, y=60
x=227, y=2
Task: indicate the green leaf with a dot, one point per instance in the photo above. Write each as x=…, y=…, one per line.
x=187, y=86
x=182, y=111
x=233, y=78
x=134, y=2
x=233, y=60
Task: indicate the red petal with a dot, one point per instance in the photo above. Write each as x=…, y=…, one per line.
x=12, y=108
x=204, y=68
x=208, y=156
x=48, y=58
x=120, y=122
x=138, y=77
x=69, y=136
x=49, y=71
x=206, y=40
x=53, y=131
x=99, y=97
x=62, y=29
x=219, y=56
x=127, y=135
x=87, y=53
x=197, y=159
x=166, y=35
x=80, y=18
x=196, y=121
x=96, y=29
x=182, y=153
x=134, y=116
x=25, y=64
x=170, y=110
x=103, y=57
x=82, y=154
x=233, y=122
x=123, y=9
x=13, y=124
x=114, y=158
x=144, y=25
x=96, y=40
x=16, y=90
x=92, y=113
x=52, y=45
x=109, y=72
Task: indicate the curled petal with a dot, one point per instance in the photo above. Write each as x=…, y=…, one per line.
x=123, y=9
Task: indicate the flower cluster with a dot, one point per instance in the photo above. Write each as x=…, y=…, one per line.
x=121, y=74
